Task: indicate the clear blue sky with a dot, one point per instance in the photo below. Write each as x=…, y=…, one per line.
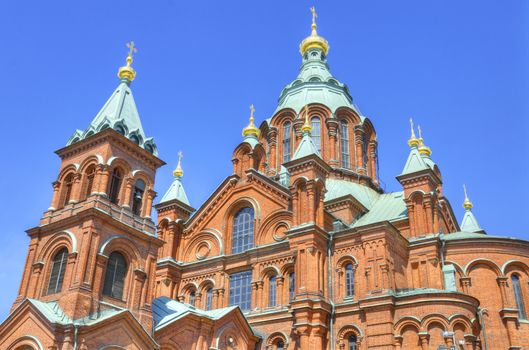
x=460, y=68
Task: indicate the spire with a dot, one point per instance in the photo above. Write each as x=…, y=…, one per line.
x=413, y=141
x=314, y=41
x=469, y=222
x=251, y=130
x=176, y=190
x=306, y=146
x=423, y=149
x=126, y=72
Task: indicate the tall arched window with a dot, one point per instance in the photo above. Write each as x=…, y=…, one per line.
x=58, y=267
x=68, y=184
x=291, y=285
x=209, y=298
x=316, y=132
x=351, y=342
x=344, y=130
x=90, y=176
x=115, y=276
x=349, y=280
x=137, y=197
x=192, y=298
x=115, y=185
x=272, y=288
x=518, y=296
x=242, y=231
x=286, y=142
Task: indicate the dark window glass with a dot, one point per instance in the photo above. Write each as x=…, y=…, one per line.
x=345, y=144
x=352, y=342
x=120, y=129
x=272, y=288
x=280, y=345
x=349, y=280
x=291, y=285
x=241, y=290
x=209, y=299
x=242, y=231
x=137, y=197
x=192, y=297
x=68, y=184
x=115, y=276
x=316, y=132
x=286, y=142
x=57, y=271
x=115, y=185
x=518, y=296
x=365, y=143
x=90, y=175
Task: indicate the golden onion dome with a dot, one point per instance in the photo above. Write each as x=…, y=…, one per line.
x=314, y=41
x=413, y=141
x=251, y=129
x=467, y=204
x=178, y=172
x=126, y=71
x=423, y=149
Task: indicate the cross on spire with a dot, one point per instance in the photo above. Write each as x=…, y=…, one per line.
x=252, y=110
x=314, y=14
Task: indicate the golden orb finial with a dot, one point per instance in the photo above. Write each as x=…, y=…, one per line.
x=126, y=71
x=423, y=149
x=467, y=204
x=413, y=141
x=251, y=129
x=314, y=40
x=307, y=127
x=178, y=172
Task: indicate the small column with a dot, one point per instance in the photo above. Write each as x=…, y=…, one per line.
x=76, y=188
x=280, y=282
x=103, y=174
x=215, y=301
x=359, y=143
x=470, y=340
x=372, y=149
x=259, y=298
x=101, y=262
x=332, y=127
x=303, y=335
x=221, y=301
x=35, y=278
x=465, y=284
x=297, y=124
x=424, y=338
x=397, y=342
x=502, y=283
x=272, y=144
x=148, y=203
x=127, y=195
x=55, y=199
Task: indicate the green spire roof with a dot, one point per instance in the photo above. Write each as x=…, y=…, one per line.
x=306, y=147
x=416, y=162
x=315, y=84
x=470, y=223
x=119, y=113
x=176, y=191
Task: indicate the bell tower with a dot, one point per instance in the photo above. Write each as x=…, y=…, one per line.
x=95, y=248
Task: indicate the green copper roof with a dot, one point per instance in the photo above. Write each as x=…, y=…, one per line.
x=306, y=147
x=388, y=207
x=470, y=223
x=119, y=113
x=176, y=191
x=340, y=188
x=315, y=84
x=416, y=162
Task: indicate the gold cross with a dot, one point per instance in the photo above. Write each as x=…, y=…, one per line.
x=314, y=14
x=420, y=131
x=132, y=48
x=252, y=110
x=180, y=156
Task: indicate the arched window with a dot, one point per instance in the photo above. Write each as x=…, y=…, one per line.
x=115, y=185
x=242, y=231
x=351, y=342
x=349, y=280
x=209, y=299
x=344, y=130
x=192, y=297
x=58, y=267
x=115, y=276
x=291, y=285
x=280, y=345
x=518, y=296
x=68, y=184
x=137, y=197
x=90, y=176
x=286, y=142
x=316, y=132
x=272, y=288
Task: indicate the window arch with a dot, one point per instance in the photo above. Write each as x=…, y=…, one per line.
x=89, y=180
x=115, y=276
x=316, y=132
x=115, y=185
x=243, y=230
x=518, y=296
x=349, y=280
x=287, y=144
x=209, y=298
x=137, y=196
x=67, y=189
x=352, y=342
x=58, y=267
x=344, y=131
x=272, y=291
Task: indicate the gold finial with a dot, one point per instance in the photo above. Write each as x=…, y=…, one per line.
x=467, y=204
x=127, y=72
x=307, y=127
x=314, y=40
x=251, y=129
x=423, y=149
x=178, y=172
x=413, y=141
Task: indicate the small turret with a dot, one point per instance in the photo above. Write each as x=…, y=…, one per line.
x=469, y=222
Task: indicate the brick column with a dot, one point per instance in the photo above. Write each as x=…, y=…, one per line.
x=272, y=144
x=55, y=199
x=148, y=203
x=76, y=188
x=103, y=174
x=465, y=284
x=359, y=142
x=397, y=343
x=332, y=127
x=424, y=338
x=280, y=282
x=372, y=149
x=127, y=195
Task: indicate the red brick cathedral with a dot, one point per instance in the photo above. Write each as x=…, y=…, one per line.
x=298, y=248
